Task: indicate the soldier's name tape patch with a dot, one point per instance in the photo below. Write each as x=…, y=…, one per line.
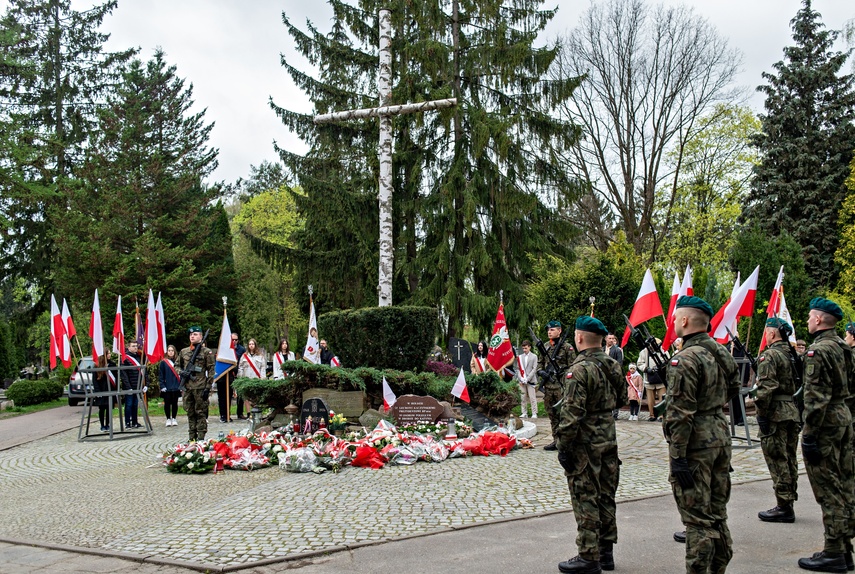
x=675, y=362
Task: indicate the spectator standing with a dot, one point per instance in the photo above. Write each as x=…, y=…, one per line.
x=529, y=381
x=232, y=375
x=167, y=375
x=133, y=378
x=283, y=354
x=102, y=382
x=326, y=354
x=654, y=386
x=478, y=363
x=614, y=351
x=634, y=391
x=252, y=366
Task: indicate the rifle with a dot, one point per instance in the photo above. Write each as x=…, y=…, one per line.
x=552, y=369
x=191, y=367
x=752, y=361
x=642, y=337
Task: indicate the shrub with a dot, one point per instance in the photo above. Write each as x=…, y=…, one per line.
x=487, y=391
x=26, y=392
x=381, y=337
x=441, y=368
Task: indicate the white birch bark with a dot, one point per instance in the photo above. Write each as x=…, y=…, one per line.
x=384, y=84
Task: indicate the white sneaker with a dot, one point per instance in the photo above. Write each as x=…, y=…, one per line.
x=523, y=416
x=169, y=422
x=534, y=416
x=175, y=422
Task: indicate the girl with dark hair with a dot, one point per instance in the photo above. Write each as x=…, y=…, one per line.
x=284, y=353
x=167, y=375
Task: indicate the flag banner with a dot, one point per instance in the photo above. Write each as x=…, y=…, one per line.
x=717, y=318
x=70, y=332
x=784, y=313
x=778, y=308
x=677, y=289
x=686, y=288
x=335, y=362
x=226, y=357
x=647, y=305
x=153, y=346
x=161, y=324
x=460, y=390
x=312, y=352
x=119, y=332
x=746, y=292
x=96, y=332
x=389, y=397
x=501, y=353
x=57, y=332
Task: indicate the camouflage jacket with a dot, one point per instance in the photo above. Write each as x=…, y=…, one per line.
x=701, y=379
x=593, y=387
x=775, y=384
x=826, y=379
x=563, y=357
x=203, y=370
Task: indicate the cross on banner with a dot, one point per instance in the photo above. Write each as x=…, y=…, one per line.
x=385, y=112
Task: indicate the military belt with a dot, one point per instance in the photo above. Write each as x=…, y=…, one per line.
x=708, y=412
x=783, y=398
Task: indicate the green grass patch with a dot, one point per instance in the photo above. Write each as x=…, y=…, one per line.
x=15, y=411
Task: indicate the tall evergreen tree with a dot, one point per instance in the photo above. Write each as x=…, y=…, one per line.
x=477, y=188
x=60, y=75
x=806, y=145
x=142, y=217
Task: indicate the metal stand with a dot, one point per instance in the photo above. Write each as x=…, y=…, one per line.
x=746, y=376
x=114, y=397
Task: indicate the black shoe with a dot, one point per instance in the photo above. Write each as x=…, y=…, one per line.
x=607, y=559
x=824, y=562
x=778, y=514
x=579, y=565
x=551, y=446
x=222, y=419
x=652, y=420
x=850, y=565
x=680, y=536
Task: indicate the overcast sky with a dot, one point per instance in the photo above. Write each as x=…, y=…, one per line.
x=230, y=49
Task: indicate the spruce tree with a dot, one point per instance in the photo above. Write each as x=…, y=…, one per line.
x=477, y=188
x=142, y=217
x=806, y=145
x=57, y=75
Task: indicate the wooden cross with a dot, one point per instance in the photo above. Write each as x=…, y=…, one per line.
x=385, y=112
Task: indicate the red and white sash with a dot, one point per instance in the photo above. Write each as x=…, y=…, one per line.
x=279, y=358
x=171, y=366
x=480, y=362
x=251, y=364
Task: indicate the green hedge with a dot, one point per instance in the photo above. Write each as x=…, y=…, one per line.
x=381, y=337
x=26, y=392
x=487, y=392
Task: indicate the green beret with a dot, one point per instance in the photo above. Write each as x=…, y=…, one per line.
x=552, y=324
x=695, y=303
x=850, y=327
x=777, y=323
x=826, y=306
x=591, y=325
x=195, y=329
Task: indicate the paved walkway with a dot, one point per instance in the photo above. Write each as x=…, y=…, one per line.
x=114, y=497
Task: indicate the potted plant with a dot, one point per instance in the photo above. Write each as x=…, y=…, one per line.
x=338, y=422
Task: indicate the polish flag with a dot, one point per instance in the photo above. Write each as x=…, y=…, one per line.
x=501, y=353
x=741, y=302
x=96, y=333
x=459, y=389
x=68, y=324
x=776, y=299
x=686, y=287
x=389, y=397
x=677, y=291
x=153, y=344
x=119, y=332
x=57, y=332
x=784, y=313
x=647, y=305
x=716, y=320
x=161, y=325
x=334, y=362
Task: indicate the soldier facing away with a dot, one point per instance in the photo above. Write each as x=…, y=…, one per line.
x=587, y=447
x=778, y=419
x=702, y=377
x=552, y=385
x=827, y=436
x=198, y=387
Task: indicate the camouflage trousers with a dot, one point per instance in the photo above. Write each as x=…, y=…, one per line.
x=592, y=490
x=551, y=395
x=703, y=510
x=779, y=449
x=831, y=481
x=197, y=413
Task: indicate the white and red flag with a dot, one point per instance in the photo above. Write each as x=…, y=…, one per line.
x=70, y=332
x=647, y=305
x=57, y=333
x=686, y=287
x=741, y=304
x=335, y=362
x=153, y=344
x=501, y=353
x=717, y=318
x=119, y=331
x=389, y=397
x=96, y=333
x=678, y=289
x=459, y=389
x=312, y=351
x=161, y=324
x=778, y=308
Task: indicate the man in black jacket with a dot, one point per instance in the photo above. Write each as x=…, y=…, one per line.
x=130, y=376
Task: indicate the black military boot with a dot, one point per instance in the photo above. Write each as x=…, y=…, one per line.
x=781, y=513
x=551, y=446
x=680, y=536
x=578, y=565
x=824, y=562
x=607, y=557
x=850, y=564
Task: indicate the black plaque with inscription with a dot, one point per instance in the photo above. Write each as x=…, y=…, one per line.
x=460, y=351
x=318, y=410
x=411, y=409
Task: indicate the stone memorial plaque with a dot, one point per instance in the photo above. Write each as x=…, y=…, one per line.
x=348, y=403
x=316, y=408
x=460, y=351
x=411, y=409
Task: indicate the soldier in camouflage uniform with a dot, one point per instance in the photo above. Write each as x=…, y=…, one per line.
x=827, y=427
x=552, y=388
x=198, y=387
x=701, y=379
x=587, y=447
x=778, y=419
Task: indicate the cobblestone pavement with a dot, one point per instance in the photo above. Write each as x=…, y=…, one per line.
x=116, y=496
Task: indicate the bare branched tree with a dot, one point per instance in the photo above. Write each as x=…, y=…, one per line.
x=649, y=74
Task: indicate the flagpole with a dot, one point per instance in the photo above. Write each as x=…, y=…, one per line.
x=592, y=299
x=228, y=387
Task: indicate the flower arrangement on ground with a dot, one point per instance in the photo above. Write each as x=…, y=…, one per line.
x=193, y=458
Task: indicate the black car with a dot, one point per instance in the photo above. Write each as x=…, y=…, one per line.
x=76, y=393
